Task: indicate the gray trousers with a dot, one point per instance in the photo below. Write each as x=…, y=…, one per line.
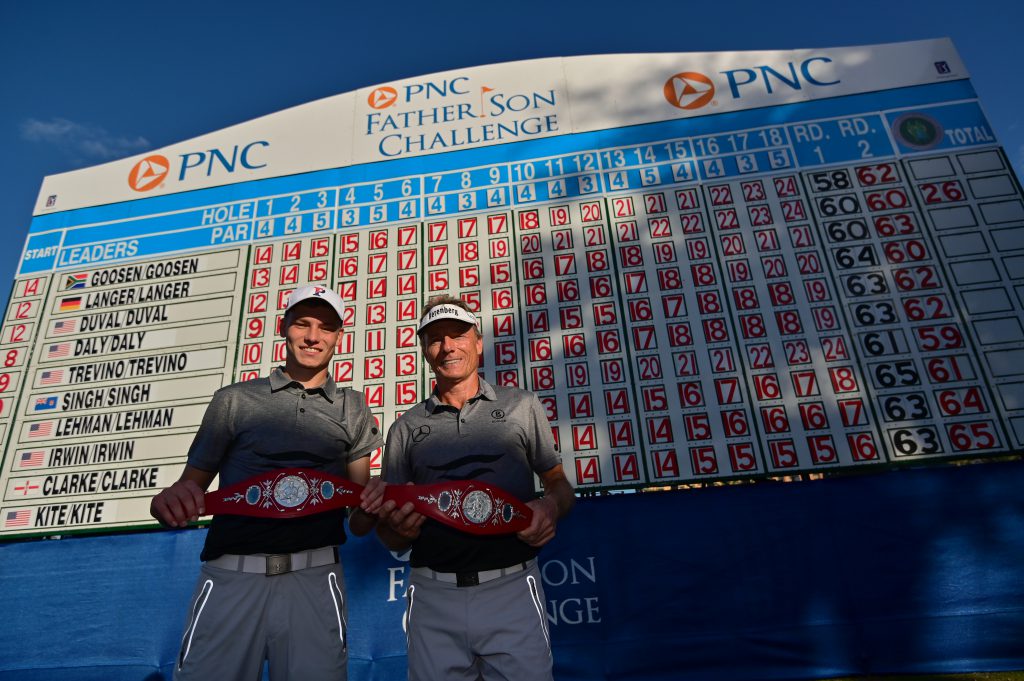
x=297, y=621
x=497, y=630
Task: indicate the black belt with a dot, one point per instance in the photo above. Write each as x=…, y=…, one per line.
x=472, y=578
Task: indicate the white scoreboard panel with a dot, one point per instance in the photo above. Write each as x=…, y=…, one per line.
x=827, y=282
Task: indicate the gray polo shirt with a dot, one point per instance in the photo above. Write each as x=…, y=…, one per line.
x=500, y=436
x=257, y=426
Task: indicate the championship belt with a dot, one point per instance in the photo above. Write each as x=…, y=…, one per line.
x=467, y=505
x=285, y=493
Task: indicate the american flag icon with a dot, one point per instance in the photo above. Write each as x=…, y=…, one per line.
x=41, y=429
x=65, y=326
x=51, y=377
x=58, y=350
x=17, y=518
x=31, y=459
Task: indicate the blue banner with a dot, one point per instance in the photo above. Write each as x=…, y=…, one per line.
x=913, y=571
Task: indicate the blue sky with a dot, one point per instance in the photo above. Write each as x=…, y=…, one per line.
x=86, y=83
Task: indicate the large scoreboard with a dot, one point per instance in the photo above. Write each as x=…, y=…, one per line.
x=707, y=266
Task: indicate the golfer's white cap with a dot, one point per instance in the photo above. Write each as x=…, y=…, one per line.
x=317, y=293
x=446, y=311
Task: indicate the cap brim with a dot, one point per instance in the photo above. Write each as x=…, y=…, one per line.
x=442, y=312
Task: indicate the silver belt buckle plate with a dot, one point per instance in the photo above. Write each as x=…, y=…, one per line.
x=278, y=564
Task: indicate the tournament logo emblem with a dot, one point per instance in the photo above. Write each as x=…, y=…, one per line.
x=382, y=97
x=149, y=173
x=917, y=131
x=689, y=90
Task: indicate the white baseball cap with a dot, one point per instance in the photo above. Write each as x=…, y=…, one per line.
x=317, y=293
x=446, y=311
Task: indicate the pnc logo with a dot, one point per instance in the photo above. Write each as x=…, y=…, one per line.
x=382, y=97
x=689, y=90
x=148, y=173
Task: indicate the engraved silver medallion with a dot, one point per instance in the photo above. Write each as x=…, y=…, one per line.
x=477, y=507
x=290, y=491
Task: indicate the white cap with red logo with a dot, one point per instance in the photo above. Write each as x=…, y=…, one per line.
x=317, y=293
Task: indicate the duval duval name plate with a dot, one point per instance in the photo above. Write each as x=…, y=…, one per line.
x=707, y=266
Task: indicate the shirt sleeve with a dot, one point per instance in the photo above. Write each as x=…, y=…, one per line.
x=541, y=450
x=396, y=467
x=213, y=439
x=363, y=428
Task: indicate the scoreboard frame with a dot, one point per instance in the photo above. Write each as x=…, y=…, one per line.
x=719, y=283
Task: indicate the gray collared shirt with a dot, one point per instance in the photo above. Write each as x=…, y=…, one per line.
x=255, y=426
x=270, y=423
x=500, y=436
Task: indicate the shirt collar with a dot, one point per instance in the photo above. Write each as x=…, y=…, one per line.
x=485, y=391
x=280, y=380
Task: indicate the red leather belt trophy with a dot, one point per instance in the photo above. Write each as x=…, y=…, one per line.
x=467, y=505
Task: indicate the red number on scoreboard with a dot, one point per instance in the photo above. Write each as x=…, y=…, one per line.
x=735, y=423
x=741, y=457
x=581, y=406
x=588, y=470
x=584, y=437
x=666, y=464
x=823, y=449
x=774, y=419
x=703, y=461
x=621, y=433
x=783, y=453
x=626, y=467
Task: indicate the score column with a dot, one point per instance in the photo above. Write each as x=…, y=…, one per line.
x=378, y=254
x=576, y=361
x=685, y=356
x=277, y=268
x=469, y=254
x=804, y=386
x=974, y=210
x=905, y=324
x=24, y=313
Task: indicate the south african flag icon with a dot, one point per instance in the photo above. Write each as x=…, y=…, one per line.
x=76, y=281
